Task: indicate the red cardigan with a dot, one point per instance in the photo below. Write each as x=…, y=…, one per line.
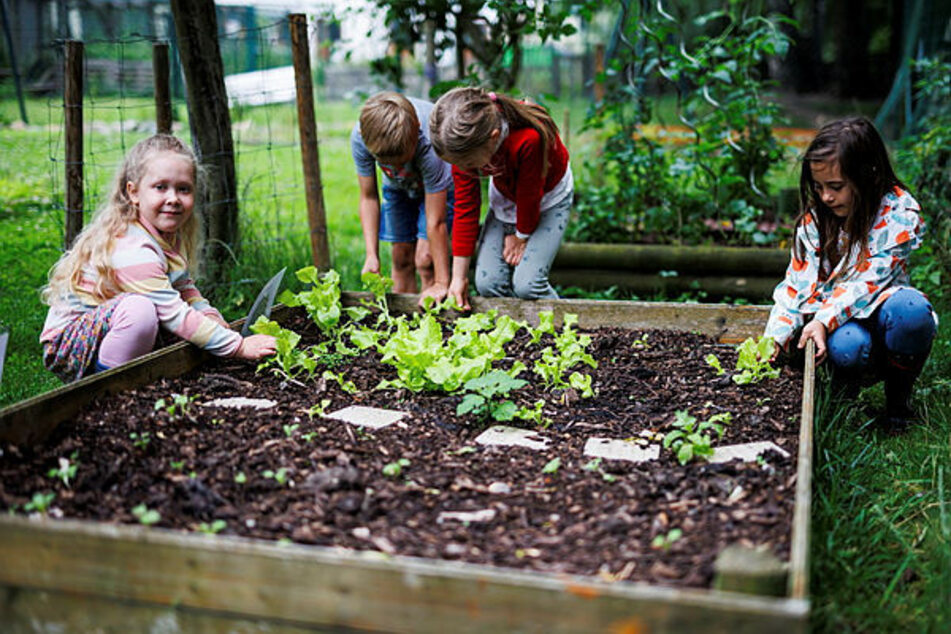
x=517, y=173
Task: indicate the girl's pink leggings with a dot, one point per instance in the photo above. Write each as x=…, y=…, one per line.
x=132, y=331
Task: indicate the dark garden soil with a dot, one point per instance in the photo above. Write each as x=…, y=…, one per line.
x=596, y=521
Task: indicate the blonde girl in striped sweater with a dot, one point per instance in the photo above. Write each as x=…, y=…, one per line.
x=130, y=272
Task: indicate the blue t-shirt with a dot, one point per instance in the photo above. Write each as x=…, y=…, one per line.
x=426, y=173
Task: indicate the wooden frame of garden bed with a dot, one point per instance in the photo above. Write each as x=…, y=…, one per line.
x=81, y=573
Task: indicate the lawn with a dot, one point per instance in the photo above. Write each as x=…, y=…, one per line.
x=881, y=540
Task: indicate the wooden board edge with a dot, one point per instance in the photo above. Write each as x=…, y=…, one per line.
x=799, y=550
x=324, y=586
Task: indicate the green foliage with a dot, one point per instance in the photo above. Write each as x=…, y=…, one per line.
x=483, y=393
x=552, y=466
x=213, y=528
x=493, y=31
x=145, y=515
x=717, y=181
x=567, y=352
x=177, y=408
x=714, y=362
x=279, y=476
x=39, y=503
x=394, y=469
x=753, y=361
x=923, y=160
x=665, y=540
x=142, y=440
x=66, y=469
x=321, y=299
x=689, y=440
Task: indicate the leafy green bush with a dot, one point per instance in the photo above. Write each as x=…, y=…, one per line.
x=715, y=185
x=923, y=160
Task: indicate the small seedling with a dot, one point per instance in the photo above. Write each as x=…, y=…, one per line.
x=714, y=363
x=240, y=478
x=279, y=476
x=753, y=361
x=482, y=392
x=214, y=528
x=66, y=470
x=290, y=429
x=40, y=502
x=664, y=542
x=309, y=436
x=689, y=441
x=552, y=466
x=146, y=515
x=177, y=465
x=178, y=406
x=217, y=421
x=140, y=440
x=394, y=469
x=320, y=409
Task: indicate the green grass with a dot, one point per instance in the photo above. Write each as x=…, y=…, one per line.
x=880, y=556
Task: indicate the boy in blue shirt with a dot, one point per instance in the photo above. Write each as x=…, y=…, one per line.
x=416, y=213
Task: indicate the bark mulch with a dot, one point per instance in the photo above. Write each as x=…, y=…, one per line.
x=328, y=485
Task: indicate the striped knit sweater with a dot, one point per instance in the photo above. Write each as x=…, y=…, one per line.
x=148, y=265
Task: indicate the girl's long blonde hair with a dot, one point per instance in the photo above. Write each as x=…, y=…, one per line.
x=464, y=117
x=94, y=244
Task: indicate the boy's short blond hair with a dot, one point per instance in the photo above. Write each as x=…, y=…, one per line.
x=389, y=125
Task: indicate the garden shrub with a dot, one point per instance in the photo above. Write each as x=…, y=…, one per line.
x=715, y=185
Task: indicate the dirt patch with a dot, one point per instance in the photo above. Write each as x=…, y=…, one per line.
x=280, y=474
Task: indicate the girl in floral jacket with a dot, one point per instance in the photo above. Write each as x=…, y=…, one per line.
x=847, y=287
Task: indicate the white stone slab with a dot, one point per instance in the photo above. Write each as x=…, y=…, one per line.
x=372, y=417
x=241, y=401
x=615, y=449
x=747, y=452
x=467, y=517
x=506, y=436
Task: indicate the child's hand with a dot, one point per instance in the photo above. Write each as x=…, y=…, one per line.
x=371, y=265
x=459, y=288
x=513, y=248
x=436, y=290
x=816, y=331
x=256, y=347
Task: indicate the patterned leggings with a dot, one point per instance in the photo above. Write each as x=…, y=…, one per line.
x=116, y=331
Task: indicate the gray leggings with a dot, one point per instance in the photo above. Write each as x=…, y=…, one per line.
x=494, y=277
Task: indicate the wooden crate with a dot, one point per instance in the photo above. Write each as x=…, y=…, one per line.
x=77, y=575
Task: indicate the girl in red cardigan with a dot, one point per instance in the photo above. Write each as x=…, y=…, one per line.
x=530, y=191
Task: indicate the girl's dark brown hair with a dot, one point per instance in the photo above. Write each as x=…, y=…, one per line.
x=857, y=147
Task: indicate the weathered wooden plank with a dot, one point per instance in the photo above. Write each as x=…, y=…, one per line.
x=683, y=259
x=727, y=285
x=24, y=610
x=799, y=553
x=331, y=587
x=30, y=422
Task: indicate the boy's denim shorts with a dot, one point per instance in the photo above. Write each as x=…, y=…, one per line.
x=403, y=218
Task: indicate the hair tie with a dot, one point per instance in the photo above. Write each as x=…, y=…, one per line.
x=493, y=97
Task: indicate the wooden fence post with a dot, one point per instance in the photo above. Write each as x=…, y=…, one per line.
x=73, y=104
x=310, y=157
x=163, y=99
x=196, y=28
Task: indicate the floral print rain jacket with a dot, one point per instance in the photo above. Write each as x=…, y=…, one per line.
x=852, y=291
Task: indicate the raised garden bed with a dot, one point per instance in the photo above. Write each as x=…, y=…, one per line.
x=577, y=535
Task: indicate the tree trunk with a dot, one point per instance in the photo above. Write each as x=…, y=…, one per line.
x=196, y=28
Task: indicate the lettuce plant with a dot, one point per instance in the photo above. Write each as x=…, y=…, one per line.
x=689, y=439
